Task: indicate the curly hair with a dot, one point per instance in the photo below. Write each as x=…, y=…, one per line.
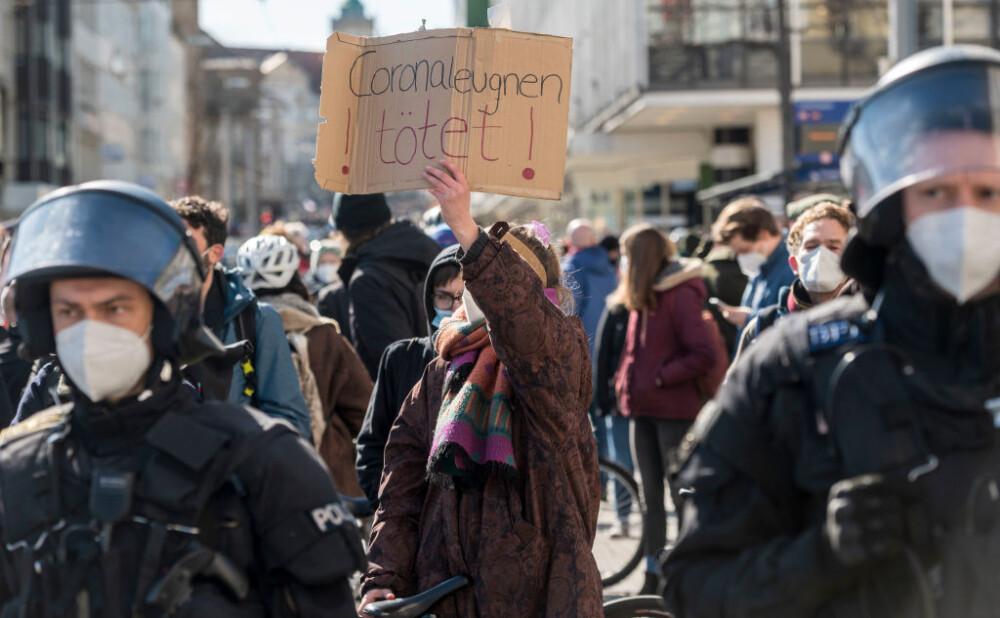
x=202, y=214
x=822, y=210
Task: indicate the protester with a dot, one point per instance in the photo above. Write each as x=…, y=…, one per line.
x=592, y=278
x=723, y=279
x=491, y=469
x=324, y=260
x=332, y=379
x=750, y=230
x=668, y=346
x=608, y=345
x=815, y=244
x=134, y=499
x=15, y=372
x=610, y=244
x=263, y=377
x=401, y=368
x=849, y=465
x=382, y=276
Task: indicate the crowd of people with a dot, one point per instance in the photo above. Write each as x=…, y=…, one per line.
x=811, y=391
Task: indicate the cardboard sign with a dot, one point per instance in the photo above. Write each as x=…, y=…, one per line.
x=494, y=102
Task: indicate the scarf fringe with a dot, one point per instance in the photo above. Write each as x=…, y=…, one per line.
x=474, y=477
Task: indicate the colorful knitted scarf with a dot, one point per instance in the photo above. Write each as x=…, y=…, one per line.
x=472, y=439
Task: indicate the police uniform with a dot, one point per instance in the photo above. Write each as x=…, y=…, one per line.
x=158, y=505
x=902, y=382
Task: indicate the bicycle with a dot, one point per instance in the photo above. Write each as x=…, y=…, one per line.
x=418, y=605
x=621, y=524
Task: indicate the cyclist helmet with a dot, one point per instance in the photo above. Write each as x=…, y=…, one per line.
x=268, y=262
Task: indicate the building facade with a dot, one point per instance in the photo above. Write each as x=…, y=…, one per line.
x=673, y=100
x=37, y=100
x=130, y=95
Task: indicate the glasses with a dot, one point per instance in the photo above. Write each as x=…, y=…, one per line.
x=444, y=300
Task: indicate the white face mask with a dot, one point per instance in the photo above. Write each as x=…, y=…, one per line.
x=103, y=360
x=819, y=270
x=326, y=273
x=750, y=263
x=959, y=247
x=472, y=310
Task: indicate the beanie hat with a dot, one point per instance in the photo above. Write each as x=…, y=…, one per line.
x=359, y=213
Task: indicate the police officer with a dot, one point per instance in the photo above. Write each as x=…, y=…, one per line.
x=133, y=499
x=850, y=466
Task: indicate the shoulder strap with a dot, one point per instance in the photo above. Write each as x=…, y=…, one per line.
x=247, y=320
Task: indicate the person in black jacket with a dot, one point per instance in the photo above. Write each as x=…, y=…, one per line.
x=401, y=367
x=136, y=498
x=850, y=465
x=382, y=277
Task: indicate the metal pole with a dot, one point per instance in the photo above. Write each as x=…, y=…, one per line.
x=947, y=22
x=902, y=29
x=785, y=94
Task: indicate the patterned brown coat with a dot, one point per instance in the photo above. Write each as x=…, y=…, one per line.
x=525, y=543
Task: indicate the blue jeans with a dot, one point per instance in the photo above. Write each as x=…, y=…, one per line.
x=614, y=444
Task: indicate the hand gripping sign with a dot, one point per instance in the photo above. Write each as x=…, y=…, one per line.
x=494, y=102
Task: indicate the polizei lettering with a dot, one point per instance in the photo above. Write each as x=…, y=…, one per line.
x=330, y=517
x=424, y=76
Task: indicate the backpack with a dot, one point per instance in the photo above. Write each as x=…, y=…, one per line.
x=708, y=383
x=307, y=384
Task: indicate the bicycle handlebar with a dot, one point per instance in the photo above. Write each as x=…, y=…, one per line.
x=418, y=604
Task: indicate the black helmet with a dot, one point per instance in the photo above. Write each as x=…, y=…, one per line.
x=108, y=228
x=904, y=131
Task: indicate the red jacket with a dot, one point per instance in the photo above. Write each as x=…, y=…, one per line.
x=666, y=349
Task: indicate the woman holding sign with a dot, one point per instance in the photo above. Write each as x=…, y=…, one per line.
x=491, y=468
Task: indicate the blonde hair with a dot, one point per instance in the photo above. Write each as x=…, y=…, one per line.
x=648, y=250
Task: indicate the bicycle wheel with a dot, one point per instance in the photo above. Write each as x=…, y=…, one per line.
x=637, y=607
x=621, y=524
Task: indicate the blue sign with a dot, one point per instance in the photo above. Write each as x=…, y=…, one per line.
x=817, y=126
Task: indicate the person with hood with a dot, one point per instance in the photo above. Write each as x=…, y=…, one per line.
x=491, y=469
x=815, y=244
x=401, y=368
x=324, y=260
x=133, y=498
x=668, y=346
x=335, y=384
x=257, y=367
x=381, y=276
x=849, y=465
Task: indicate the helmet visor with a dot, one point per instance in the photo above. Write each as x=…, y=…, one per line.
x=933, y=124
x=106, y=233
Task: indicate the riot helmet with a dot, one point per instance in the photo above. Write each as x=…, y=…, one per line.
x=935, y=113
x=110, y=228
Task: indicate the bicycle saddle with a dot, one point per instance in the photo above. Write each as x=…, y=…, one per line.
x=417, y=605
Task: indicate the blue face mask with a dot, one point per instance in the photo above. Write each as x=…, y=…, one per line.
x=439, y=316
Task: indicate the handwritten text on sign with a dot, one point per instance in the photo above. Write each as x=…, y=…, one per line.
x=496, y=102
